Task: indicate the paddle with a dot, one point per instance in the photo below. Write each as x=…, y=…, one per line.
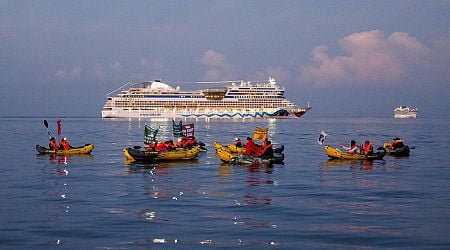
x=46, y=125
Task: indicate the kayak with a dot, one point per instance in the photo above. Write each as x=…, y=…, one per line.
x=227, y=156
x=235, y=149
x=335, y=153
x=400, y=152
x=86, y=149
x=138, y=154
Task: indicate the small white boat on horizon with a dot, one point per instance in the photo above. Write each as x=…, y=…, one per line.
x=405, y=112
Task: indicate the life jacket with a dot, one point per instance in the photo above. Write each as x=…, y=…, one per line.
x=179, y=144
x=52, y=145
x=397, y=143
x=368, y=148
x=251, y=148
x=151, y=147
x=266, y=148
x=64, y=145
x=161, y=147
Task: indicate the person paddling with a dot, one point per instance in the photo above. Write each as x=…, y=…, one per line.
x=64, y=144
x=52, y=144
x=353, y=149
x=267, y=151
x=367, y=149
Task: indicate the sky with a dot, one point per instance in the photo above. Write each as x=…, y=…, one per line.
x=346, y=58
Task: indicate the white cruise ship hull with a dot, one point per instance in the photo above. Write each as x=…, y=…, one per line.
x=155, y=99
x=405, y=112
x=211, y=114
x=406, y=115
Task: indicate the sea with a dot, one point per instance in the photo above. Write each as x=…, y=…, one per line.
x=102, y=201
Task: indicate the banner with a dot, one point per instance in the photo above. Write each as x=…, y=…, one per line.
x=260, y=133
x=188, y=130
x=322, y=137
x=177, y=129
x=150, y=134
x=58, y=122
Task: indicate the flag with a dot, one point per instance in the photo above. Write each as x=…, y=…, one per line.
x=59, y=126
x=150, y=134
x=188, y=130
x=177, y=129
x=260, y=133
x=322, y=137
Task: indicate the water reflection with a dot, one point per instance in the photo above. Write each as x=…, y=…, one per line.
x=349, y=164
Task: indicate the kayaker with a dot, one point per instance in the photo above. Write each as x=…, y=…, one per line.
x=152, y=146
x=367, y=149
x=52, y=144
x=396, y=143
x=170, y=145
x=180, y=143
x=353, y=149
x=267, y=151
x=162, y=146
x=251, y=148
x=238, y=142
x=64, y=144
x=190, y=141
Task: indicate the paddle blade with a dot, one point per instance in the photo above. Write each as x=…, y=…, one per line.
x=46, y=123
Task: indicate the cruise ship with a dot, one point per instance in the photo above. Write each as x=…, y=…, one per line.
x=405, y=112
x=241, y=99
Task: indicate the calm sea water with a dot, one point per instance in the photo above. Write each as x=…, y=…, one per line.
x=101, y=201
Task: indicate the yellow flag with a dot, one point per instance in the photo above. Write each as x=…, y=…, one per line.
x=260, y=133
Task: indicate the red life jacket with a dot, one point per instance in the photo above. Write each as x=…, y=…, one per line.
x=64, y=145
x=52, y=145
x=368, y=148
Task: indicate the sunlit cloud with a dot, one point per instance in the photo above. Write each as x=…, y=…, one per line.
x=370, y=58
x=219, y=67
x=279, y=73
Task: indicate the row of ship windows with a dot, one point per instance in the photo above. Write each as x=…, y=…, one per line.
x=208, y=103
x=236, y=95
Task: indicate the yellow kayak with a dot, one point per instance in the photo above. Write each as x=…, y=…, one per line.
x=133, y=154
x=335, y=153
x=224, y=153
x=235, y=149
x=86, y=149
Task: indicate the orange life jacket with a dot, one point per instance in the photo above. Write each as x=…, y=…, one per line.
x=64, y=145
x=368, y=148
x=53, y=145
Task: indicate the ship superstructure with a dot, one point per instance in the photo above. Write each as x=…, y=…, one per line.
x=244, y=100
x=405, y=112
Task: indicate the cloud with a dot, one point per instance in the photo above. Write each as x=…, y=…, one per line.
x=370, y=58
x=68, y=74
x=219, y=67
x=115, y=66
x=99, y=72
x=279, y=73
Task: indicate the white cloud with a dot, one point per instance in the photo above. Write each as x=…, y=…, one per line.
x=115, y=66
x=99, y=72
x=279, y=73
x=68, y=74
x=219, y=67
x=370, y=58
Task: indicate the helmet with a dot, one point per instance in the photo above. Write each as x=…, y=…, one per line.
x=236, y=139
x=65, y=139
x=180, y=139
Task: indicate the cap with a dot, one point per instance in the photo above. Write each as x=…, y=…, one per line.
x=65, y=139
x=237, y=138
x=180, y=139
